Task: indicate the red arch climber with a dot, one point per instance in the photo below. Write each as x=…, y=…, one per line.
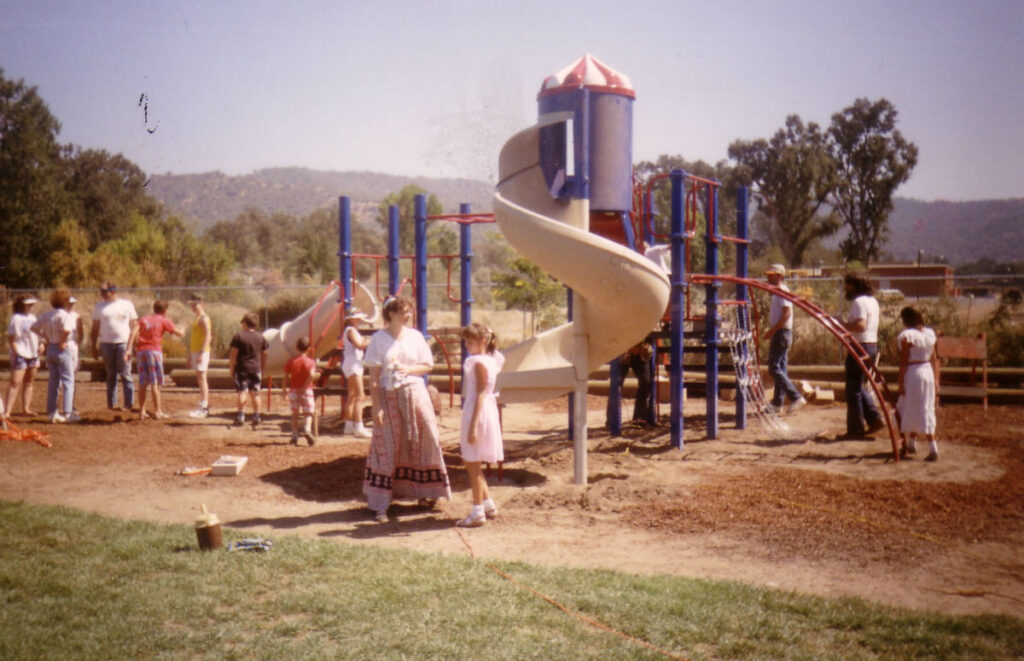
x=874, y=377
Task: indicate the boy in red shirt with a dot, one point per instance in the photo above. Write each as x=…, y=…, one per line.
x=299, y=373
x=150, y=356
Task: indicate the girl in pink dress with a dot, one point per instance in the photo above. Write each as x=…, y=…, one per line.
x=480, y=437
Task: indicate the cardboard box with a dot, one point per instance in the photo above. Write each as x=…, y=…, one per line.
x=229, y=465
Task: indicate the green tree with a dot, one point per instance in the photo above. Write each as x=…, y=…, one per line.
x=524, y=286
x=872, y=159
x=106, y=190
x=32, y=197
x=792, y=176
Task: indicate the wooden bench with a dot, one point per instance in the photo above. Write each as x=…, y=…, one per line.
x=973, y=349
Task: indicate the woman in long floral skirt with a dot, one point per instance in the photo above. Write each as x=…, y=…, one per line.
x=404, y=459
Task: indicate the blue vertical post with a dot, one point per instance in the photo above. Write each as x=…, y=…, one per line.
x=345, y=250
x=676, y=304
x=711, y=309
x=465, y=280
x=420, y=276
x=614, y=411
x=742, y=294
x=394, y=243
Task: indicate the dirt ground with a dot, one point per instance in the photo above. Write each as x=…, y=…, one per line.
x=796, y=511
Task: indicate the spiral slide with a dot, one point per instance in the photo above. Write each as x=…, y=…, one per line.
x=620, y=294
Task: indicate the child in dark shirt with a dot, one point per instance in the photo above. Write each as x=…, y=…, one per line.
x=246, y=360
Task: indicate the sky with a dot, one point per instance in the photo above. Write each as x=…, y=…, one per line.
x=435, y=87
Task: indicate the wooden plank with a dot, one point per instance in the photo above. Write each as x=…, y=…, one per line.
x=972, y=348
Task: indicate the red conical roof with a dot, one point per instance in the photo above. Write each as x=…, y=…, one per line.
x=588, y=71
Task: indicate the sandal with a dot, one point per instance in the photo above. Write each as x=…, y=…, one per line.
x=470, y=522
x=491, y=513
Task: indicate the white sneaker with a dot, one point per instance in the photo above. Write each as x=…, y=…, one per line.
x=778, y=409
x=361, y=432
x=199, y=412
x=797, y=405
x=74, y=417
x=57, y=418
x=348, y=428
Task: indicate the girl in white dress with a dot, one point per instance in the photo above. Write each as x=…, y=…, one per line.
x=917, y=378
x=353, y=346
x=480, y=436
x=404, y=459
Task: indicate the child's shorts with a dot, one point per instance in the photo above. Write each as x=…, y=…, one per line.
x=151, y=368
x=22, y=363
x=201, y=361
x=301, y=400
x=250, y=381
x=352, y=367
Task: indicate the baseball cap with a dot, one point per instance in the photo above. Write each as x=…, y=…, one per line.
x=777, y=268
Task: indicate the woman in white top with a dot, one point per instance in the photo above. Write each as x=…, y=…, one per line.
x=353, y=346
x=919, y=366
x=404, y=459
x=23, y=346
x=56, y=327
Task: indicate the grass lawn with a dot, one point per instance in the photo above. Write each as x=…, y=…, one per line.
x=81, y=586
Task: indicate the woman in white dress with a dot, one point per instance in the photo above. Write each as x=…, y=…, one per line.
x=919, y=367
x=404, y=459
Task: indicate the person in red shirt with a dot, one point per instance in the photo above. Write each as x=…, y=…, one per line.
x=299, y=373
x=150, y=356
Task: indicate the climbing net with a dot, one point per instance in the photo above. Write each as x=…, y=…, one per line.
x=743, y=348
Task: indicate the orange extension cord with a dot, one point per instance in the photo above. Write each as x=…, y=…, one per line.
x=15, y=433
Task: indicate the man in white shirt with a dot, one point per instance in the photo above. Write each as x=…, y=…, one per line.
x=115, y=325
x=862, y=322
x=780, y=334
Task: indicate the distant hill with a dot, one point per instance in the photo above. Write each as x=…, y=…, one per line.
x=962, y=232
x=210, y=197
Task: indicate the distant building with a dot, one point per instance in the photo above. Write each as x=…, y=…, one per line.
x=912, y=279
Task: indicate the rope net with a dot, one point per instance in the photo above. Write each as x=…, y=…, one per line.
x=743, y=349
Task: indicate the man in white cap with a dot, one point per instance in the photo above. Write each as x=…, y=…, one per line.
x=780, y=334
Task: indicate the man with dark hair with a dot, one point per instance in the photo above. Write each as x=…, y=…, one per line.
x=862, y=322
x=247, y=359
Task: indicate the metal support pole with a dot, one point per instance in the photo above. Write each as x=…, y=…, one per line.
x=465, y=281
x=420, y=276
x=345, y=250
x=676, y=304
x=711, y=311
x=742, y=271
x=394, y=250
x=614, y=413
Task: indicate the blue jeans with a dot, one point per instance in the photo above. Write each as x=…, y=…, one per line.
x=778, y=365
x=859, y=405
x=116, y=366
x=61, y=366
